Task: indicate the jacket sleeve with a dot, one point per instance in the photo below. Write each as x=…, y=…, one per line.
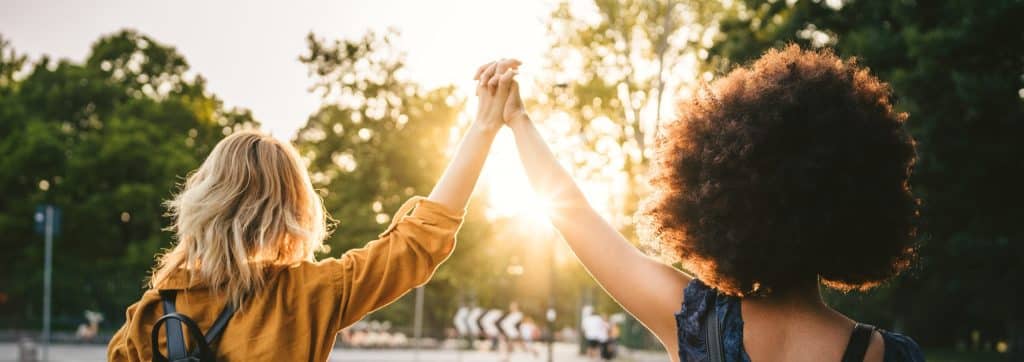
x=404, y=257
x=121, y=347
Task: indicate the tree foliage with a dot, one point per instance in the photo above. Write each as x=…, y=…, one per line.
x=957, y=67
x=380, y=138
x=377, y=140
x=105, y=140
x=608, y=79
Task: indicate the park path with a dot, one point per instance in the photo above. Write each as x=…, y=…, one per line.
x=563, y=353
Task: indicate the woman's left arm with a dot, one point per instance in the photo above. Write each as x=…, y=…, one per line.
x=459, y=179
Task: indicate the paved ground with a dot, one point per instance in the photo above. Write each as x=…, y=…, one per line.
x=563, y=353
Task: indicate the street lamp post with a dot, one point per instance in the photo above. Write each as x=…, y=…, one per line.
x=47, y=222
x=47, y=283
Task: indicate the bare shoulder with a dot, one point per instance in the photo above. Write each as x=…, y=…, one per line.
x=876, y=348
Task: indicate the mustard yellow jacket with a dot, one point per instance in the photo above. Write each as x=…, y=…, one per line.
x=299, y=312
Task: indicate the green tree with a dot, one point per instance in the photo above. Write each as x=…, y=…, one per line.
x=957, y=67
x=609, y=77
x=106, y=140
x=380, y=138
x=10, y=63
x=377, y=140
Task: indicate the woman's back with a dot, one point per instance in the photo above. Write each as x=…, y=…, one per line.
x=782, y=174
x=779, y=329
x=797, y=330
x=300, y=309
x=293, y=318
x=248, y=222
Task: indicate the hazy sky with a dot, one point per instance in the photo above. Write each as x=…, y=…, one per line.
x=248, y=50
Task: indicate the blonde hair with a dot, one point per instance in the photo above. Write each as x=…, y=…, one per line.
x=249, y=206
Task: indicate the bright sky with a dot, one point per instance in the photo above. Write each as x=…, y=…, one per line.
x=248, y=50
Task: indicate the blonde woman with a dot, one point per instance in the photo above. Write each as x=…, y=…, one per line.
x=248, y=222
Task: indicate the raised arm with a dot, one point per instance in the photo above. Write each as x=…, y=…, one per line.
x=647, y=288
x=459, y=179
x=410, y=250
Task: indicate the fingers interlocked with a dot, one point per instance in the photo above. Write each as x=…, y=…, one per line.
x=489, y=75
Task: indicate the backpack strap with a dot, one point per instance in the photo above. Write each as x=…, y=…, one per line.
x=859, y=341
x=175, y=337
x=714, y=331
x=218, y=326
x=176, y=348
x=203, y=351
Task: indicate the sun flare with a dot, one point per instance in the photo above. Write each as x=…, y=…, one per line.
x=510, y=195
x=508, y=188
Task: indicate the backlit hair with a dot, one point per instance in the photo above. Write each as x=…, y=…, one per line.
x=792, y=168
x=249, y=206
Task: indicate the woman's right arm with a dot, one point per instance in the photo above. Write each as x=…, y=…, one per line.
x=410, y=250
x=647, y=288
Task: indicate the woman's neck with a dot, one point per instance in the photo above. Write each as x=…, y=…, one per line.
x=779, y=326
x=798, y=312
x=803, y=296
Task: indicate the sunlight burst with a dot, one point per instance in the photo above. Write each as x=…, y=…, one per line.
x=508, y=188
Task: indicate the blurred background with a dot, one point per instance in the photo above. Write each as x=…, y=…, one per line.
x=105, y=106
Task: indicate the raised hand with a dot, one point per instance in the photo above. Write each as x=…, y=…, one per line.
x=495, y=80
x=456, y=185
x=514, y=111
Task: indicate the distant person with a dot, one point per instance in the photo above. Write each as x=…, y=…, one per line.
x=87, y=332
x=248, y=222
x=489, y=324
x=781, y=176
x=529, y=332
x=585, y=312
x=610, y=347
x=509, y=325
x=595, y=332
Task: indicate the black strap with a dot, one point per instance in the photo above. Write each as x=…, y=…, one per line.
x=714, y=333
x=218, y=326
x=859, y=341
x=176, y=348
x=175, y=338
x=204, y=353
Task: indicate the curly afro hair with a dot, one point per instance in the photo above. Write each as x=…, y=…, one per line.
x=793, y=168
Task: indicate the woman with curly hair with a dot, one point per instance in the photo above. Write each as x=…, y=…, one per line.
x=782, y=176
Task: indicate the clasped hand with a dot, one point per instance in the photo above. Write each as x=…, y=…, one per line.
x=498, y=90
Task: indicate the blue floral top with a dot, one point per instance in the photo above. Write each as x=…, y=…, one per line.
x=696, y=302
